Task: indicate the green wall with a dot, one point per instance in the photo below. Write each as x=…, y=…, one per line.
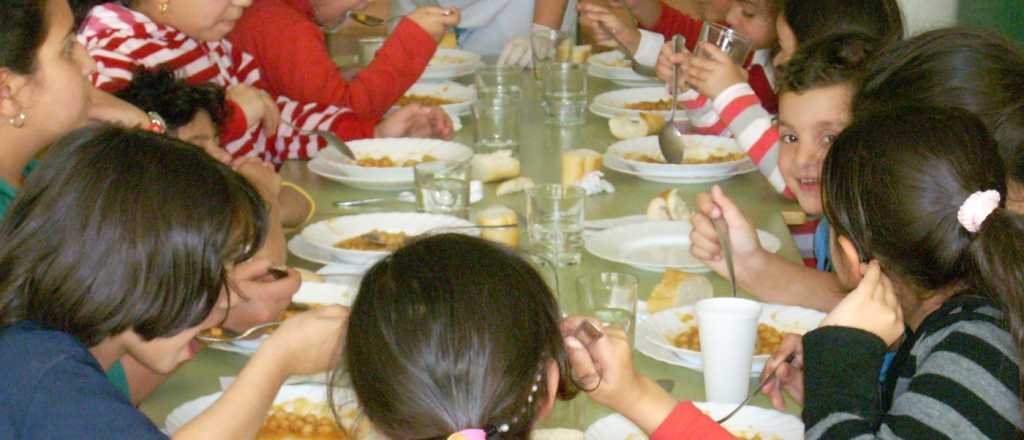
x=1006, y=16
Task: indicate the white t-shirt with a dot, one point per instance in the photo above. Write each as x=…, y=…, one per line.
x=488, y=24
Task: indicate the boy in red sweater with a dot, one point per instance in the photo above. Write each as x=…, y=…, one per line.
x=300, y=66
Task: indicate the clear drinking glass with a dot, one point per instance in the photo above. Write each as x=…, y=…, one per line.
x=554, y=219
x=565, y=92
x=735, y=45
x=493, y=81
x=549, y=46
x=610, y=297
x=442, y=187
x=497, y=123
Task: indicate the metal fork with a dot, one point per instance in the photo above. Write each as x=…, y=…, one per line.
x=756, y=390
x=236, y=337
x=722, y=229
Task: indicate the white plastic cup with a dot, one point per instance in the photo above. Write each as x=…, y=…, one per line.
x=728, y=332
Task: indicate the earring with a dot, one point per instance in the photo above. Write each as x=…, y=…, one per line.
x=18, y=121
x=163, y=7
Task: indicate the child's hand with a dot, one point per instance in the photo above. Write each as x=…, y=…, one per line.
x=415, y=120
x=746, y=248
x=257, y=105
x=309, y=342
x=435, y=20
x=604, y=367
x=789, y=377
x=593, y=16
x=260, y=174
x=256, y=297
x=667, y=60
x=712, y=76
x=872, y=307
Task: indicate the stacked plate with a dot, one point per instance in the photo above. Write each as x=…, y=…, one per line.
x=642, y=158
x=614, y=66
x=449, y=64
x=656, y=246
x=457, y=99
x=660, y=330
x=632, y=102
x=749, y=422
x=330, y=164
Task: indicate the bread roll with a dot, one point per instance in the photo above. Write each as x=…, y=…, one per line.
x=581, y=53
x=678, y=289
x=512, y=186
x=499, y=165
x=668, y=206
x=499, y=215
x=625, y=127
x=577, y=163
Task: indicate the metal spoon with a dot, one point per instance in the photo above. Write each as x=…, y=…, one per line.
x=670, y=140
x=231, y=336
x=756, y=390
x=722, y=229
x=365, y=19
x=335, y=142
x=640, y=69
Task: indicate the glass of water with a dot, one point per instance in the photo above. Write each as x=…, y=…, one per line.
x=554, y=219
x=610, y=297
x=495, y=81
x=565, y=92
x=733, y=44
x=442, y=187
x=548, y=46
x=497, y=124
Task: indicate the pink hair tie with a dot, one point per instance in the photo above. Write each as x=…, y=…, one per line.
x=469, y=434
x=977, y=208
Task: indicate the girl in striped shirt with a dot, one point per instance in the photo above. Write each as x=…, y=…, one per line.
x=188, y=36
x=920, y=192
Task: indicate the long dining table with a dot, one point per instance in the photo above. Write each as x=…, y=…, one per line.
x=540, y=150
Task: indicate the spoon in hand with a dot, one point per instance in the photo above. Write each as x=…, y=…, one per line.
x=670, y=139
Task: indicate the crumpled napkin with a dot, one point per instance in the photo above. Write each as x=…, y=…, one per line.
x=593, y=183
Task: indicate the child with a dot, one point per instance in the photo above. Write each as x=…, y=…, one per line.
x=107, y=278
x=193, y=114
x=919, y=191
x=817, y=87
x=189, y=37
x=300, y=66
x=456, y=335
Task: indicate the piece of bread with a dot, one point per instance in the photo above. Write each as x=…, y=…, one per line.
x=794, y=218
x=513, y=186
x=629, y=127
x=668, y=206
x=499, y=165
x=578, y=163
x=499, y=215
x=678, y=289
x=653, y=121
x=449, y=41
x=581, y=53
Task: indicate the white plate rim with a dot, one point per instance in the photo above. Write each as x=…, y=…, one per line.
x=619, y=149
x=408, y=222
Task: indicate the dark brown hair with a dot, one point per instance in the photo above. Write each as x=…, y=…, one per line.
x=23, y=28
x=977, y=70
x=814, y=19
x=450, y=333
x=835, y=59
x=893, y=183
x=123, y=229
x=173, y=98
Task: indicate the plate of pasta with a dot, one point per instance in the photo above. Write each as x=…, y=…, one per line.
x=391, y=159
x=707, y=158
x=366, y=238
x=455, y=98
x=613, y=66
x=449, y=64
x=632, y=102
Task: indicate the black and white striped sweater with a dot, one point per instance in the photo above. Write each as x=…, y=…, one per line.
x=955, y=378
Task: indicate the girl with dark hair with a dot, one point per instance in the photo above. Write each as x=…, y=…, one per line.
x=803, y=21
x=915, y=197
x=110, y=278
x=977, y=70
x=456, y=335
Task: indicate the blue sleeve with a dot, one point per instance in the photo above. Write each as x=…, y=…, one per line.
x=822, y=246
x=74, y=400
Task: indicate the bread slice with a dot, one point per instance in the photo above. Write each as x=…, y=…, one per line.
x=668, y=206
x=678, y=289
x=515, y=185
x=499, y=165
x=579, y=163
x=499, y=215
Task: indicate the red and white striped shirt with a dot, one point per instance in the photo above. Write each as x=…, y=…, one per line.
x=122, y=40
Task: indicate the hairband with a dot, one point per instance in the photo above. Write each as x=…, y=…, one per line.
x=491, y=431
x=976, y=209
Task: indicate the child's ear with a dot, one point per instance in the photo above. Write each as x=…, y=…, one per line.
x=10, y=84
x=851, y=258
x=553, y=379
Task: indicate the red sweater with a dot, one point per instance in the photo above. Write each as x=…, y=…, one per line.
x=672, y=22
x=686, y=422
x=289, y=46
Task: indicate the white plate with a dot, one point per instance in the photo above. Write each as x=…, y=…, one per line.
x=771, y=424
x=615, y=164
x=656, y=246
x=398, y=149
x=612, y=104
x=613, y=66
x=325, y=234
x=696, y=144
x=451, y=91
x=305, y=250
x=325, y=170
x=345, y=399
x=662, y=327
x=451, y=63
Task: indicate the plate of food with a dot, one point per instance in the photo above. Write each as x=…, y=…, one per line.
x=391, y=159
x=366, y=238
x=299, y=411
x=632, y=102
x=750, y=423
x=613, y=66
x=311, y=295
x=450, y=63
x=656, y=246
x=328, y=171
x=620, y=166
x=675, y=330
x=453, y=97
x=706, y=156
